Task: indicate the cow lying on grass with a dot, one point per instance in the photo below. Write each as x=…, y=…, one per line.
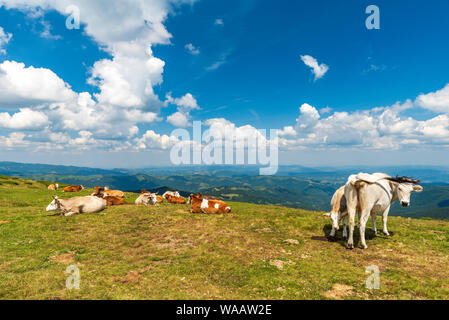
x=202, y=196
x=69, y=207
x=200, y=205
x=158, y=197
x=99, y=192
x=171, y=193
x=73, y=189
x=175, y=200
x=53, y=187
x=147, y=199
x=113, y=201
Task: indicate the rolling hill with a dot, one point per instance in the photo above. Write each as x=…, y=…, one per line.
x=165, y=252
x=302, y=188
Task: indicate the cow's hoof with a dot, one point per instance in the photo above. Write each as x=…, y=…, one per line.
x=386, y=233
x=364, y=247
x=350, y=246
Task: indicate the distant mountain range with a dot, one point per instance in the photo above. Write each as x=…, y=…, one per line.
x=293, y=186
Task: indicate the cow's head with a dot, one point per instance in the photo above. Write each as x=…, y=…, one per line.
x=335, y=218
x=403, y=187
x=404, y=191
x=153, y=198
x=55, y=205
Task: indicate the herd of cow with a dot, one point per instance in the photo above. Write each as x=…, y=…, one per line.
x=368, y=195
x=102, y=197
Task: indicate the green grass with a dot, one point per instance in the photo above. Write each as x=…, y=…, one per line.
x=165, y=252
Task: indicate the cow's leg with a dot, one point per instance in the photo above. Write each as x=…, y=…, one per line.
x=345, y=227
x=374, y=217
x=69, y=214
x=385, y=220
x=351, y=214
x=332, y=234
x=362, y=222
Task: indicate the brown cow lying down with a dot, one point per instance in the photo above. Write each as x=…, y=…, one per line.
x=200, y=205
x=99, y=192
x=73, y=189
x=113, y=201
x=175, y=200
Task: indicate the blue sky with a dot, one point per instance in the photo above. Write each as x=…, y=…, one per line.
x=237, y=63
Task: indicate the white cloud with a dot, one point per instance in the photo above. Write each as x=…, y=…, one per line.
x=435, y=101
x=152, y=140
x=288, y=131
x=185, y=104
x=192, y=49
x=319, y=70
x=179, y=119
x=4, y=40
x=129, y=77
x=21, y=86
x=26, y=119
x=219, y=22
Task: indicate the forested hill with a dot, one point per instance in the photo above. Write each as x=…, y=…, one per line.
x=305, y=189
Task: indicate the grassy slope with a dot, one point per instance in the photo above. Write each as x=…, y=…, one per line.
x=165, y=252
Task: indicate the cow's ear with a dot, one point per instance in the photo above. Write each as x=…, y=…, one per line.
x=418, y=188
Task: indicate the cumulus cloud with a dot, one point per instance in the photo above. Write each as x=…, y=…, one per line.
x=378, y=128
x=152, y=140
x=318, y=70
x=4, y=40
x=185, y=104
x=435, y=101
x=219, y=22
x=179, y=119
x=26, y=119
x=26, y=86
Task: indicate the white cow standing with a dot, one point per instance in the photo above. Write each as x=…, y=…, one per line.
x=375, y=194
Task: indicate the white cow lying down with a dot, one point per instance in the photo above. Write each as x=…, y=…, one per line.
x=69, y=207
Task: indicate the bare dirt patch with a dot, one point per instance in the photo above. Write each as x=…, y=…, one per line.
x=280, y=264
x=64, y=258
x=131, y=276
x=339, y=292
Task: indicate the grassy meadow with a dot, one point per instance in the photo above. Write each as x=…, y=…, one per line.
x=165, y=252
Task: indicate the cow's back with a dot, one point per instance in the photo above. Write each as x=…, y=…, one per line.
x=87, y=204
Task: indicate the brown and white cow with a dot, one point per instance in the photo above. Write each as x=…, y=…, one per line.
x=175, y=200
x=99, y=192
x=73, y=189
x=53, y=187
x=200, y=205
x=171, y=193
